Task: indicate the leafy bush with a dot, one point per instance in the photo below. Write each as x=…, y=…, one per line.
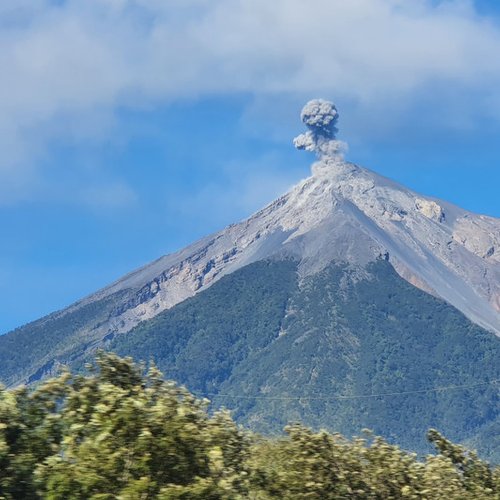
x=119, y=434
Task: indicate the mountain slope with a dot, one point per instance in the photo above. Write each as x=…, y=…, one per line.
x=261, y=333
x=346, y=213
x=343, y=213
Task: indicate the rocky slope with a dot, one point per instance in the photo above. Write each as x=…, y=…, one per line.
x=344, y=213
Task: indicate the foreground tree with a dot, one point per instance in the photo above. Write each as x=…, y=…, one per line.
x=119, y=434
x=310, y=465
x=116, y=434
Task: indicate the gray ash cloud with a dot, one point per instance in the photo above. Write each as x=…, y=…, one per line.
x=320, y=117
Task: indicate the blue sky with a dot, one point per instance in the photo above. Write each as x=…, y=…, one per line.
x=129, y=128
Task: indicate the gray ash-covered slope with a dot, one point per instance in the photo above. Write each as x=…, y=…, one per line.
x=343, y=214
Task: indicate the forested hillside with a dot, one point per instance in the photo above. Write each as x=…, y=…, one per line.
x=119, y=434
x=276, y=349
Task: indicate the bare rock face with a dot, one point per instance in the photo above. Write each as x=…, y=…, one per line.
x=479, y=235
x=408, y=275
x=430, y=209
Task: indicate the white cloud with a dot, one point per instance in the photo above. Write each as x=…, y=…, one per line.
x=81, y=60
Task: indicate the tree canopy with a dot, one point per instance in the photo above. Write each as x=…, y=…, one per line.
x=120, y=432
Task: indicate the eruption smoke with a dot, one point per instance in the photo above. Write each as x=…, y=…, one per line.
x=320, y=117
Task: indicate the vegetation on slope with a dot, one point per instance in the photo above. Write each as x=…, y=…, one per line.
x=259, y=334
x=34, y=350
x=119, y=434
x=200, y=341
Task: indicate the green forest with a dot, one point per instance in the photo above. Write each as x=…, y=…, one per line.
x=119, y=431
x=343, y=331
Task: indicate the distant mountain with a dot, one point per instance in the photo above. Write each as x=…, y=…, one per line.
x=348, y=285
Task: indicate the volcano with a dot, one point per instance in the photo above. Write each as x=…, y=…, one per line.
x=349, y=302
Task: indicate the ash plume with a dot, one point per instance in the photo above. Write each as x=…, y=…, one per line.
x=320, y=117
